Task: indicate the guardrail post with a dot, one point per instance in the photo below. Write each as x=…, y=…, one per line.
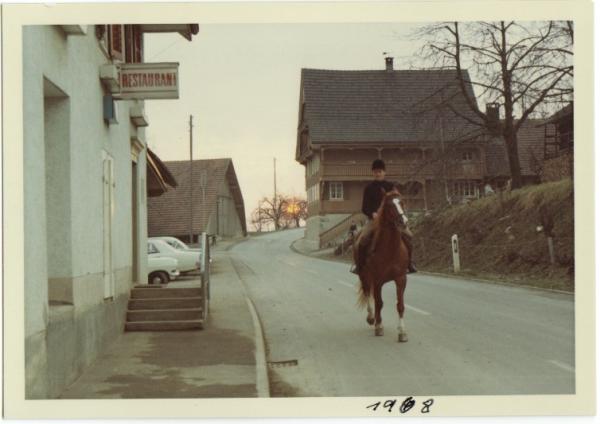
x=455, y=253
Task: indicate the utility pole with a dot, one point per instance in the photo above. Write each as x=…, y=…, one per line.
x=274, y=178
x=275, y=193
x=191, y=185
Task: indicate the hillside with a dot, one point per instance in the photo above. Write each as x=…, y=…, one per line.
x=499, y=237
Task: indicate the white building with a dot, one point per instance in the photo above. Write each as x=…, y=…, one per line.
x=85, y=195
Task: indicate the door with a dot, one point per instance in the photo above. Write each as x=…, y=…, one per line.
x=108, y=214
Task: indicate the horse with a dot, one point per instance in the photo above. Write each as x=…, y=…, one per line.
x=388, y=261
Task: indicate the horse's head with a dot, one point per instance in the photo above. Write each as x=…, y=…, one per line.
x=392, y=209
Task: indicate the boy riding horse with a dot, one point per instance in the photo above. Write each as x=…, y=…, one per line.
x=372, y=197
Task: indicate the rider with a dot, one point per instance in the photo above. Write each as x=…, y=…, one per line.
x=372, y=197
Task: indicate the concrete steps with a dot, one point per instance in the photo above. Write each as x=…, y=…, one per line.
x=156, y=308
x=164, y=325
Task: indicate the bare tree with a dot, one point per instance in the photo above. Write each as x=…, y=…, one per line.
x=295, y=211
x=271, y=211
x=258, y=220
x=522, y=68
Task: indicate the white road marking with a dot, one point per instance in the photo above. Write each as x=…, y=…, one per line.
x=312, y=271
x=345, y=283
x=562, y=365
x=417, y=310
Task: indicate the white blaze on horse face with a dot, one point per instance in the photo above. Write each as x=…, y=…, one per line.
x=400, y=210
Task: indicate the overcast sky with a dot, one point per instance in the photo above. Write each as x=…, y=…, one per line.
x=241, y=83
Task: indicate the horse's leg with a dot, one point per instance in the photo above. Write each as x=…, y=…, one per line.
x=370, y=317
x=365, y=285
x=378, y=307
x=400, y=286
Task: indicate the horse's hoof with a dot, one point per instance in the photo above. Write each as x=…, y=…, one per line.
x=379, y=331
x=402, y=337
x=371, y=321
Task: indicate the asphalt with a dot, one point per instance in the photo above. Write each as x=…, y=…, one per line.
x=465, y=337
x=223, y=360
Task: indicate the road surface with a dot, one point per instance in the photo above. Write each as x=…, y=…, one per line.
x=465, y=337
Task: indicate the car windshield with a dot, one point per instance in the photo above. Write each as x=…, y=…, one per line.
x=177, y=244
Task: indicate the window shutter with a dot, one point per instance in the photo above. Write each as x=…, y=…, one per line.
x=138, y=40
x=116, y=42
x=129, y=47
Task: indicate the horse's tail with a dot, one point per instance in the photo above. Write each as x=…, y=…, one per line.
x=364, y=293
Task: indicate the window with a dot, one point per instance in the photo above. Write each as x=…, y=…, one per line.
x=468, y=189
x=133, y=44
x=121, y=42
x=336, y=191
x=152, y=248
x=467, y=156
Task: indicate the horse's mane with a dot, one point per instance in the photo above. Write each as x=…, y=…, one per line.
x=381, y=221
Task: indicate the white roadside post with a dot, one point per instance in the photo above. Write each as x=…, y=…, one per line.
x=455, y=253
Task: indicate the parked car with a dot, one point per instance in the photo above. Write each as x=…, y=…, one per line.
x=161, y=270
x=176, y=243
x=188, y=261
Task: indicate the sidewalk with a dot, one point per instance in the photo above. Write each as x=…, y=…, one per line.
x=219, y=361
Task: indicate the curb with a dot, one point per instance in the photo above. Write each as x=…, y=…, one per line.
x=262, y=374
x=440, y=274
x=260, y=356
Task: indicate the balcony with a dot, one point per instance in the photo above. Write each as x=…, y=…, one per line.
x=362, y=171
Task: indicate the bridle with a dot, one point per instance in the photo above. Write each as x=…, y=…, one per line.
x=403, y=219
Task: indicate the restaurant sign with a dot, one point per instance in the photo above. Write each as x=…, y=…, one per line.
x=149, y=81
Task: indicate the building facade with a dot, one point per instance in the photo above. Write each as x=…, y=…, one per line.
x=408, y=118
x=559, y=145
x=209, y=199
x=85, y=197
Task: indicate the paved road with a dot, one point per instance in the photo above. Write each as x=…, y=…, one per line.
x=465, y=337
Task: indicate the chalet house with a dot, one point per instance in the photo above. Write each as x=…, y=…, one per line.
x=531, y=141
x=87, y=168
x=413, y=119
x=208, y=199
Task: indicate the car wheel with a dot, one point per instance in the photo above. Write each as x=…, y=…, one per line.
x=158, y=277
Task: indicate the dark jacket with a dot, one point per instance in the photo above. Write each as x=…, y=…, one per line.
x=372, y=196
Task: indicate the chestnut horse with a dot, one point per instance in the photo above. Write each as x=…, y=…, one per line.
x=387, y=261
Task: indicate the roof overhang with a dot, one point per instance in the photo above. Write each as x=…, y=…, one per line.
x=185, y=30
x=158, y=175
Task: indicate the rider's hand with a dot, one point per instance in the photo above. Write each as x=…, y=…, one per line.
x=374, y=215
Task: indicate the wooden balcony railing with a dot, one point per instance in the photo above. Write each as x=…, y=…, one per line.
x=408, y=170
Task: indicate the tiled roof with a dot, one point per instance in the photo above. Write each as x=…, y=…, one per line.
x=384, y=106
x=169, y=214
x=531, y=151
x=565, y=112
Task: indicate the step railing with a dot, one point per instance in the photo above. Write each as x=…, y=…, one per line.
x=205, y=273
x=340, y=229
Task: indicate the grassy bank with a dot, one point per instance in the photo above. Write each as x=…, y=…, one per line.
x=499, y=237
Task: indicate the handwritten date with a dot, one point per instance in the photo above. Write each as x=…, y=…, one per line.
x=404, y=407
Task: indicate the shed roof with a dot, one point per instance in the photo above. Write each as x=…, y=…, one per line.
x=169, y=214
